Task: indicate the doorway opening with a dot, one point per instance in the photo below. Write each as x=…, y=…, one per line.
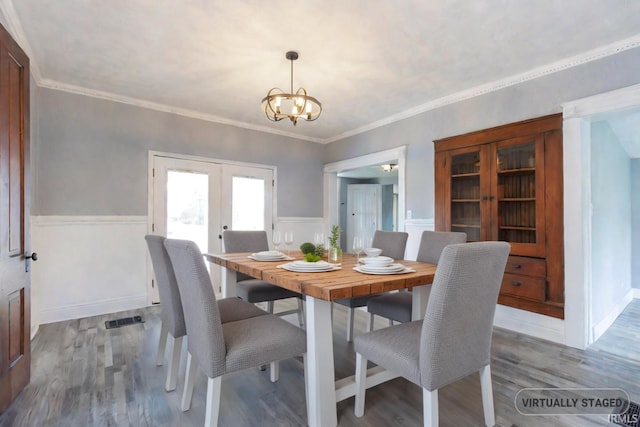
x=366, y=170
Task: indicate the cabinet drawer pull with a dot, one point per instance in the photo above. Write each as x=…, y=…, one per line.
x=516, y=283
x=517, y=266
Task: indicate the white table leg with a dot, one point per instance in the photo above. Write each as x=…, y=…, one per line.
x=322, y=394
x=229, y=281
x=419, y=301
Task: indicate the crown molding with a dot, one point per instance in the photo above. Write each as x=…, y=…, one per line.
x=535, y=73
x=109, y=96
x=6, y=6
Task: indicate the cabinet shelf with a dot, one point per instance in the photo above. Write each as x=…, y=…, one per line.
x=466, y=225
x=465, y=200
x=464, y=175
x=516, y=171
x=517, y=199
x=515, y=227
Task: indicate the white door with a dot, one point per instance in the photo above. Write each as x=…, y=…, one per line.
x=247, y=194
x=197, y=199
x=364, y=212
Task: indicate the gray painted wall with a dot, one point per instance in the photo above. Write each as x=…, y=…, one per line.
x=635, y=223
x=610, y=221
x=92, y=156
x=531, y=99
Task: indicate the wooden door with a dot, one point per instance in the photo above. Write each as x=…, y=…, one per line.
x=15, y=314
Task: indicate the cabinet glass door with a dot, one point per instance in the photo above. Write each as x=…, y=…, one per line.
x=465, y=202
x=520, y=195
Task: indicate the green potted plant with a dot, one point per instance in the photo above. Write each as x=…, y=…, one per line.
x=335, y=252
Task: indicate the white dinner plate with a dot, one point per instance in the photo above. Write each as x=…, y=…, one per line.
x=376, y=260
x=309, y=267
x=403, y=271
x=269, y=256
x=382, y=268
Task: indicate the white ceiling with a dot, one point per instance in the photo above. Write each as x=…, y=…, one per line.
x=368, y=62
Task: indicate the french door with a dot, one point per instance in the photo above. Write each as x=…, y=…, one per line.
x=197, y=199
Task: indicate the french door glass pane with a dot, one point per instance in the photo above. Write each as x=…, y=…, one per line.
x=188, y=207
x=247, y=203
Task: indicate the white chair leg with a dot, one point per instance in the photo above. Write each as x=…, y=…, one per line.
x=213, y=401
x=487, y=396
x=350, y=314
x=430, y=407
x=361, y=384
x=174, y=364
x=370, y=322
x=189, y=383
x=270, y=307
x=162, y=344
x=305, y=363
x=274, y=371
x=300, y=313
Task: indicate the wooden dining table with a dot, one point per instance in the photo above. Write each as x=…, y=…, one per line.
x=320, y=289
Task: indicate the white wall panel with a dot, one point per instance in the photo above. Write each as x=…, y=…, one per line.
x=87, y=265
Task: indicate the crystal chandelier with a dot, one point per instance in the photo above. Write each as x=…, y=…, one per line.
x=293, y=106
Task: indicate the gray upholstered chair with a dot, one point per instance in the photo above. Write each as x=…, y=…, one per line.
x=221, y=348
x=393, y=245
x=397, y=306
x=454, y=338
x=171, y=315
x=255, y=290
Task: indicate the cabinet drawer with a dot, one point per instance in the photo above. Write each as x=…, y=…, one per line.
x=526, y=266
x=523, y=286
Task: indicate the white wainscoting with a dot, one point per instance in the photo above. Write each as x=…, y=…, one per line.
x=87, y=265
x=415, y=227
x=303, y=229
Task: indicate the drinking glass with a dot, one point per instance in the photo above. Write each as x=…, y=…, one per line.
x=288, y=241
x=358, y=247
x=276, y=238
x=318, y=238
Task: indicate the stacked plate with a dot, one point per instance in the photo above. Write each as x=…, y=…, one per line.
x=381, y=265
x=268, y=256
x=309, y=267
x=376, y=260
x=381, y=269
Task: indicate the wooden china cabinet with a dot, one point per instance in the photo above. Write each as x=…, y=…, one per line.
x=505, y=183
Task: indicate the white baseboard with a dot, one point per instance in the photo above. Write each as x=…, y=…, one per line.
x=602, y=326
x=534, y=324
x=636, y=293
x=96, y=308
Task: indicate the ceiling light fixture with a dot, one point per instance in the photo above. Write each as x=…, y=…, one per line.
x=293, y=106
x=389, y=167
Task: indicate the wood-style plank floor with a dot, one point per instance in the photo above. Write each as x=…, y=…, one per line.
x=85, y=375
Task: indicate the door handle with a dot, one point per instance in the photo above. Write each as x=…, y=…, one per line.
x=33, y=257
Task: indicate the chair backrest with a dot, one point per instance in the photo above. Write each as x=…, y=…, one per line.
x=392, y=243
x=171, y=305
x=201, y=313
x=433, y=242
x=244, y=241
x=456, y=332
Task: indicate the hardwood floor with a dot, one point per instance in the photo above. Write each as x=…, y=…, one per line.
x=85, y=375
